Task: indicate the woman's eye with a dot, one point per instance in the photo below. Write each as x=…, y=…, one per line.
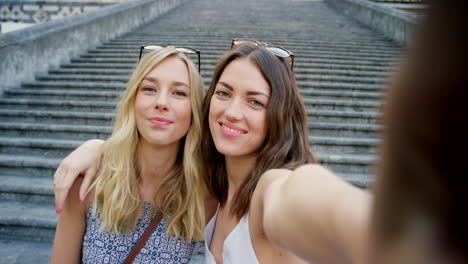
x=179, y=93
x=149, y=89
x=222, y=93
x=257, y=103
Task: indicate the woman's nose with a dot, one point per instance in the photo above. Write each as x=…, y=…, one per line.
x=162, y=101
x=233, y=110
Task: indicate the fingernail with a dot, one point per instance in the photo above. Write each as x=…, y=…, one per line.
x=58, y=209
x=82, y=197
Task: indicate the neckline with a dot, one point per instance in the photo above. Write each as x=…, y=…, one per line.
x=233, y=231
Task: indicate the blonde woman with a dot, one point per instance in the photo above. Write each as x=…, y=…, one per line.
x=143, y=173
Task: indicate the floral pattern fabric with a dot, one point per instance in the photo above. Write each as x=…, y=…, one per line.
x=100, y=246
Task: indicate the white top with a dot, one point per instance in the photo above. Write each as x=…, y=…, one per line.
x=237, y=246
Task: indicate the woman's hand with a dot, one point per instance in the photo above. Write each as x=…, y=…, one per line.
x=82, y=161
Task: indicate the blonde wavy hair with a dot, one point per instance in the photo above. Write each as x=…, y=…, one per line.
x=182, y=193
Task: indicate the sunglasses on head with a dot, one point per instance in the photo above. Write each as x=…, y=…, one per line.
x=275, y=49
x=181, y=49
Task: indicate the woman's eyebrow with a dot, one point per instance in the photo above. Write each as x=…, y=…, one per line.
x=225, y=84
x=257, y=93
x=229, y=87
x=175, y=83
x=151, y=79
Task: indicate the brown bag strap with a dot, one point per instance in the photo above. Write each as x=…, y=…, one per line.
x=142, y=241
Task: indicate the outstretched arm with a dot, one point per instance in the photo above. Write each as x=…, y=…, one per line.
x=316, y=215
x=82, y=161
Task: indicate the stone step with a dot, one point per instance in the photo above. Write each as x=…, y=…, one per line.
x=329, y=129
x=349, y=164
x=91, y=71
x=322, y=145
x=27, y=166
x=25, y=189
x=53, y=94
x=134, y=50
x=338, y=116
x=203, y=41
x=300, y=64
x=121, y=86
x=24, y=252
x=364, y=181
x=56, y=131
x=124, y=78
x=352, y=104
x=70, y=105
x=131, y=53
x=56, y=117
x=340, y=94
x=27, y=221
x=268, y=30
x=264, y=30
x=310, y=67
x=83, y=78
x=323, y=85
x=209, y=57
x=299, y=72
x=43, y=147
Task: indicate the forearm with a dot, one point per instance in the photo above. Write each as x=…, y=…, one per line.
x=316, y=215
x=70, y=230
x=92, y=145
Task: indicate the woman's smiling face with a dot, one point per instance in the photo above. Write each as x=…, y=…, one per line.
x=238, y=109
x=162, y=104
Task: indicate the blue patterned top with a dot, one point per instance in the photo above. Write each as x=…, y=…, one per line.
x=105, y=247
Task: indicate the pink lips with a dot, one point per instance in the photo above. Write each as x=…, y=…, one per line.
x=231, y=131
x=160, y=122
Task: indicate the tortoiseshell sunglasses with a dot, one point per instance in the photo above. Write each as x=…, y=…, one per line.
x=275, y=49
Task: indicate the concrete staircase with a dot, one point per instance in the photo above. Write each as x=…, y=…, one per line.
x=340, y=68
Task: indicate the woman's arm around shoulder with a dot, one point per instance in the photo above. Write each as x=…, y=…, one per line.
x=82, y=161
x=71, y=227
x=315, y=214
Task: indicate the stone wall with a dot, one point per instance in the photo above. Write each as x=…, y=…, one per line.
x=32, y=11
x=34, y=49
x=393, y=22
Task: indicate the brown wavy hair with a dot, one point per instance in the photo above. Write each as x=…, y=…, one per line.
x=287, y=141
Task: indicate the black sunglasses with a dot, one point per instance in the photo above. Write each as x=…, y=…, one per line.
x=275, y=49
x=181, y=49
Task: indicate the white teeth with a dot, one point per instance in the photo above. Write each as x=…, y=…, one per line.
x=232, y=130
